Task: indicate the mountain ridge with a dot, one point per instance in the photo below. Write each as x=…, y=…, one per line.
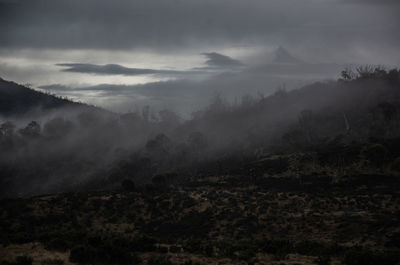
x=16, y=99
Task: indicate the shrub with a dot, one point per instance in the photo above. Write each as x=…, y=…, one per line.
x=277, y=247
x=159, y=260
x=128, y=185
x=310, y=248
x=375, y=153
x=225, y=248
x=113, y=251
x=323, y=260
x=24, y=260
x=57, y=244
x=20, y=260
x=52, y=262
x=395, y=166
x=367, y=257
x=192, y=245
x=191, y=262
x=82, y=254
x=163, y=249
x=247, y=255
x=159, y=180
x=142, y=243
x=174, y=249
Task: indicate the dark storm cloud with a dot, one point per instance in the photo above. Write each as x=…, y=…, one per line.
x=177, y=24
x=123, y=24
x=115, y=69
x=217, y=60
x=374, y=2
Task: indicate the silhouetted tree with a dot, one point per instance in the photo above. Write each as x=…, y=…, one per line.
x=31, y=130
x=375, y=153
x=161, y=144
x=197, y=140
x=388, y=110
x=128, y=185
x=58, y=127
x=7, y=128
x=146, y=113
x=169, y=118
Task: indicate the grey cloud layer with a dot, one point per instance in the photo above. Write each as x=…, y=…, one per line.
x=115, y=69
x=216, y=61
x=318, y=31
x=174, y=24
x=374, y=2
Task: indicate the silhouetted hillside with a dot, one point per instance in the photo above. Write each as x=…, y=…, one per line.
x=17, y=99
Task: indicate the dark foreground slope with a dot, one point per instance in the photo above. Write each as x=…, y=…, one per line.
x=310, y=219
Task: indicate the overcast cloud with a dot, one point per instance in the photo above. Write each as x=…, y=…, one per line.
x=115, y=69
x=129, y=43
x=175, y=24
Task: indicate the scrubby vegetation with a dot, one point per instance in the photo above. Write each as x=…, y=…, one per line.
x=217, y=220
x=308, y=176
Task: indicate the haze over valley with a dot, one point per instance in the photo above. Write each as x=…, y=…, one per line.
x=199, y=132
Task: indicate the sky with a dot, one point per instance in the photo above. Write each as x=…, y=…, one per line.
x=178, y=54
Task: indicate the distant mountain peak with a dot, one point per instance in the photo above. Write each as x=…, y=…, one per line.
x=283, y=56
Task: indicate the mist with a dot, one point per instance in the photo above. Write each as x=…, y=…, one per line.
x=190, y=132
x=83, y=147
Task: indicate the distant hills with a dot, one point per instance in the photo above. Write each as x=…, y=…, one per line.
x=283, y=56
x=286, y=64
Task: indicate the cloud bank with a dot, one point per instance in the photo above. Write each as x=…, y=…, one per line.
x=115, y=69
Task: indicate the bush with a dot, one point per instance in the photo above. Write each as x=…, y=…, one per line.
x=159, y=260
x=247, y=255
x=395, y=166
x=191, y=262
x=323, y=260
x=128, y=185
x=277, y=247
x=163, y=249
x=24, y=260
x=109, y=252
x=82, y=254
x=225, y=248
x=375, y=153
x=52, y=262
x=192, y=245
x=57, y=244
x=310, y=248
x=367, y=257
x=142, y=243
x=174, y=249
x=20, y=260
x=159, y=180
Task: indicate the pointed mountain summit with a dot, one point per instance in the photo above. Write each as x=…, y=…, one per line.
x=283, y=56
